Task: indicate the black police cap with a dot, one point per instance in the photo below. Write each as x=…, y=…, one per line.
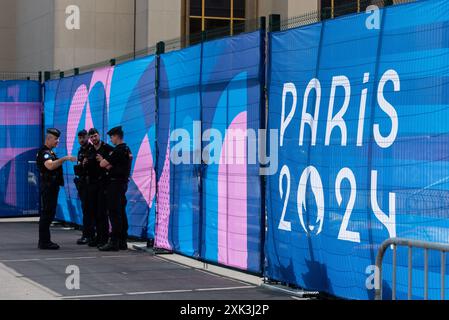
x=116, y=130
x=82, y=133
x=54, y=132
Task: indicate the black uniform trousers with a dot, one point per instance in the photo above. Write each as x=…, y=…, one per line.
x=116, y=204
x=88, y=218
x=49, y=202
x=96, y=199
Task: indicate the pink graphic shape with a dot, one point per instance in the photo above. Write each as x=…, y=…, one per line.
x=144, y=175
x=11, y=193
x=20, y=113
x=81, y=99
x=13, y=92
x=7, y=155
x=232, y=198
x=76, y=110
x=103, y=76
x=163, y=201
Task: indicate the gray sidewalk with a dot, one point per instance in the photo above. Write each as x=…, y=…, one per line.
x=28, y=273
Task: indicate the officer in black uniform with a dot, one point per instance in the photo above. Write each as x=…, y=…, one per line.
x=97, y=188
x=51, y=178
x=81, y=185
x=118, y=165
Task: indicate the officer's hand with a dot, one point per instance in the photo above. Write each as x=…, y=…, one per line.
x=99, y=157
x=84, y=161
x=71, y=158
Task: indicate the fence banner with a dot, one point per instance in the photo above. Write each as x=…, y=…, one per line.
x=20, y=132
x=209, y=101
x=121, y=95
x=231, y=104
x=179, y=110
x=361, y=107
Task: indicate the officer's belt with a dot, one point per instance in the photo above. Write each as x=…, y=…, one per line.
x=124, y=180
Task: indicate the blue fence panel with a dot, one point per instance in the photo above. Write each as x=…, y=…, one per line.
x=179, y=112
x=132, y=105
x=209, y=203
x=232, y=72
x=362, y=147
x=20, y=131
x=107, y=97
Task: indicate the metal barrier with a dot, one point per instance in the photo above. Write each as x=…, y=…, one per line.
x=395, y=242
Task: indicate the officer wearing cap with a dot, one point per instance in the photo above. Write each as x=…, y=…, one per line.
x=51, y=178
x=81, y=181
x=118, y=165
x=96, y=194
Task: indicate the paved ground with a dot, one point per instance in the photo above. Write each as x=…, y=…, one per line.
x=28, y=273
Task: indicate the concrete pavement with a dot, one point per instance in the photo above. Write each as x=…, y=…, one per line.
x=29, y=273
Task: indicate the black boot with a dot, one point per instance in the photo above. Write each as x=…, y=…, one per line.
x=48, y=246
x=110, y=246
x=123, y=245
x=93, y=242
x=101, y=244
x=82, y=241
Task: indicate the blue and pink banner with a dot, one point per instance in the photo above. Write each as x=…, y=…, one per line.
x=178, y=225
x=361, y=108
x=231, y=99
x=210, y=209
x=121, y=95
x=20, y=137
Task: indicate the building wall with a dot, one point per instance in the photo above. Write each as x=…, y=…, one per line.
x=299, y=7
x=7, y=35
x=106, y=31
x=286, y=8
x=37, y=39
x=158, y=21
x=34, y=35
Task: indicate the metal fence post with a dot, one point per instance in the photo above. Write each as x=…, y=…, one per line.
x=410, y=273
x=426, y=274
x=200, y=169
x=275, y=22
x=394, y=272
x=262, y=125
x=160, y=49
x=443, y=273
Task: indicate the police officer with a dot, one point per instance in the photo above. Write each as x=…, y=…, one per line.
x=81, y=185
x=51, y=178
x=96, y=193
x=118, y=163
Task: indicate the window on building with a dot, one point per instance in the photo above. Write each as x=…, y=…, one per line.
x=217, y=17
x=335, y=8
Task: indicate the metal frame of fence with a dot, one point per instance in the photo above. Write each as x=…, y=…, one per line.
x=394, y=243
x=36, y=76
